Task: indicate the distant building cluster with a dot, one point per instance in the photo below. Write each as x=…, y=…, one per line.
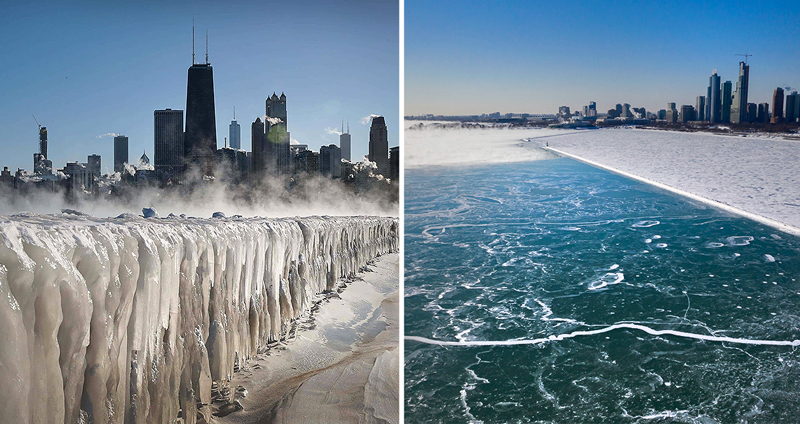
x=189, y=149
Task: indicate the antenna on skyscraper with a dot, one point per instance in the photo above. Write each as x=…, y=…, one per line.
x=342, y=126
x=348, y=126
x=234, y=113
x=192, y=40
x=206, y=47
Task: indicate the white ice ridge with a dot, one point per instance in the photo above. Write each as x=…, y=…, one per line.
x=648, y=330
x=129, y=320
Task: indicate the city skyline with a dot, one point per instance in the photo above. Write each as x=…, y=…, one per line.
x=516, y=58
x=91, y=73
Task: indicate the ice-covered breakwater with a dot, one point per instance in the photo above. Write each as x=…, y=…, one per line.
x=130, y=320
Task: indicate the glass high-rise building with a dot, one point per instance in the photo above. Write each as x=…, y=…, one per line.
x=121, y=152
x=379, y=144
x=777, y=106
x=200, y=141
x=739, y=105
x=713, y=100
x=235, y=134
x=726, y=90
x=168, y=137
x=344, y=142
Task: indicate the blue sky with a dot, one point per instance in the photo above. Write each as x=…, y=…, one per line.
x=520, y=56
x=90, y=68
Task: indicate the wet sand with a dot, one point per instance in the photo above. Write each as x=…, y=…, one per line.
x=342, y=366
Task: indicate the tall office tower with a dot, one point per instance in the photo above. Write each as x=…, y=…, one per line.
x=200, y=141
x=662, y=114
x=763, y=113
x=235, y=133
x=687, y=113
x=121, y=152
x=796, y=107
x=714, y=100
x=626, y=111
x=701, y=108
x=278, y=133
x=592, y=107
x=752, y=112
x=330, y=161
x=43, y=141
x=93, y=164
x=379, y=144
x=792, y=107
x=258, y=142
x=739, y=106
x=777, y=106
x=725, y=114
x=168, y=138
x=394, y=163
x=671, y=106
x=276, y=107
x=344, y=142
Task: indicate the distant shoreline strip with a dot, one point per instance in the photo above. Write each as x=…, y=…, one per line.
x=648, y=330
x=719, y=205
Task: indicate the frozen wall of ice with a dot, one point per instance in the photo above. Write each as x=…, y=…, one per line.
x=130, y=320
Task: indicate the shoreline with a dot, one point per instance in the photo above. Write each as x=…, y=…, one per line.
x=342, y=365
x=719, y=205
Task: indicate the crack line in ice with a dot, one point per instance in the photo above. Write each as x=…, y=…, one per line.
x=643, y=328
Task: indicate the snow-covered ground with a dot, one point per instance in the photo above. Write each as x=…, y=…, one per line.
x=131, y=319
x=444, y=144
x=756, y=175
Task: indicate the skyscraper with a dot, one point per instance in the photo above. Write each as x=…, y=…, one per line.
x=235, y=132
x=93, y=164
x=725, y=115
x=792, y=107
x=344, y=142
x=752, y=112
x=379, y=144
x=121, y=152
x=168, y=138
x=259, y=146
x=777, y=106
x=43, y=141
x=700, y=108
x=278, y=133
x=739, y=105
x=200, y=141
x=330, y=161
x=763, y=113
x=394, y=162
x=713, y=101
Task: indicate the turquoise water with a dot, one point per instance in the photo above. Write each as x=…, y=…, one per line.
x=533, y=250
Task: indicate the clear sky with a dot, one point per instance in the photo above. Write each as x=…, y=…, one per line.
x=521, y=56
x=90, y=68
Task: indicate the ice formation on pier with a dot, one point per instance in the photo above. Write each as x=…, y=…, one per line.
x=129, y=320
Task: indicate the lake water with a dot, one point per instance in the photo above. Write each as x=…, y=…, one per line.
x=528, y=252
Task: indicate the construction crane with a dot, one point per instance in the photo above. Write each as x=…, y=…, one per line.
x=746, y=55
x=37, y=121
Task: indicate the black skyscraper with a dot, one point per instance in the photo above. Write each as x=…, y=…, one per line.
x=200, y=142
x=379, y=145
x=120, y=153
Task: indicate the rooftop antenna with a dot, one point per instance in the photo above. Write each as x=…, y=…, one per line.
x=342, y=126
x=192, y=40
x=206, y=47
x=746, y=55
x=226, y=142
x=234, y=113
x=348, y=126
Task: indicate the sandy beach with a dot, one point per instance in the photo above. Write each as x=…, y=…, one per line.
x=342, y=366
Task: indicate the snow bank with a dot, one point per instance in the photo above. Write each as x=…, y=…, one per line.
x=131, y=319
x=435, y=145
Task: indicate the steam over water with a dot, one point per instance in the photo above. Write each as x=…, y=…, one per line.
x=568, y=294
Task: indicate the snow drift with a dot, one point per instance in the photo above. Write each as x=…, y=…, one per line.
x=130, y=320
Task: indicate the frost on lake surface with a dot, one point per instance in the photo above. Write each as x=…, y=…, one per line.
x=756, y=175
x=131, y=319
